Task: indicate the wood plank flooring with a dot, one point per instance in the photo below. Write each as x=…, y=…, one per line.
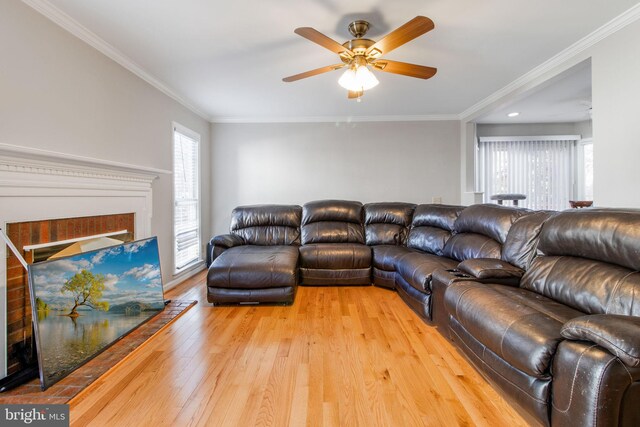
x=339, y=356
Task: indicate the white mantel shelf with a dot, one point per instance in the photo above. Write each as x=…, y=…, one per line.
x=18, y=157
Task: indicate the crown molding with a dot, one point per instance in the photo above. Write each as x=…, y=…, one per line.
x=611, y=27
x=337, y=119
x=65, y=21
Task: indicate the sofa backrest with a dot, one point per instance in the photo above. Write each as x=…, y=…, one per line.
x=480, y=231
x=432, y=226
x=332, y=221
x=387, y=223
x=267, y=225
x=521, y=245
x=591, y=261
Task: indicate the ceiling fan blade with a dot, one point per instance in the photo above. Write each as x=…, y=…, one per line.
x=404, y=34
x=313, y=72
x=324, y=41
x=411, y=70
x=355, y=94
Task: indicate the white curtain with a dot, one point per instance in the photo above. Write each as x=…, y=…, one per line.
x=541, y=168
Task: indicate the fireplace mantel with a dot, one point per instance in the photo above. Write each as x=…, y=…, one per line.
x=38, y=184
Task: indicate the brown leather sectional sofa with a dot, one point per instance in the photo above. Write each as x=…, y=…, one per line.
x=545, y=305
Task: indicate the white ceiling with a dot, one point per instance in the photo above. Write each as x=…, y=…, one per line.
x=565, y=98
x=227, y=58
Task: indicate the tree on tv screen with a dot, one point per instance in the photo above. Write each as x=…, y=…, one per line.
x=86, y=289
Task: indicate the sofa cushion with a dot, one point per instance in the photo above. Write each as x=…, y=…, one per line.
x=607, y=235
x=432, y=226
x=332, y=221
x=387, y=223
x=332, y=210
x=471, y=245
x=436, y=215
x=521, y=327
x=386, y=256
x=480, y=231
x=254, y=267
x=332, y=232
x=490, y=220
x=592, y=287
x=522, y=240
x=416, y=268
x=267, y=224
x=335, y=256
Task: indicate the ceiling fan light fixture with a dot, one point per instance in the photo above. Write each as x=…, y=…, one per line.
x=348, y=80
x=358, y=79
x=365, y=78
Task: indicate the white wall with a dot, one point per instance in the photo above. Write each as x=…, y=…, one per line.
x=59, y=94
x=293, y=163
x=616, y=124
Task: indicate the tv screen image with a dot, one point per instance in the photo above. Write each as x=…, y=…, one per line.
x=84, y=303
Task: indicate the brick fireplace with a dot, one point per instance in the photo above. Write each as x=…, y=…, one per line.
x=18, y=312
x=55, y=196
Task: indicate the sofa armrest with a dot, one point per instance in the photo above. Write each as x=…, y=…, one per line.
x=489, y=268
x=620, y=335
x=227, y=240
x=591, y=387
x=440, y=282
x=219, y=244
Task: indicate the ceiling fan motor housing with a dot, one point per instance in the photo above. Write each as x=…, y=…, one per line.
x=358, y=47
x=358, y=28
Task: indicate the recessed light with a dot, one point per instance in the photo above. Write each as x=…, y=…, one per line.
x=514, y=114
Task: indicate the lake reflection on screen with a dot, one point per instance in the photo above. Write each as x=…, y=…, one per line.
x=69, y=341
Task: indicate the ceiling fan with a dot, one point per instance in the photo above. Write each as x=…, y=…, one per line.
x=360, y=54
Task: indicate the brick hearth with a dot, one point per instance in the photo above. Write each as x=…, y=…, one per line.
x=78, y=380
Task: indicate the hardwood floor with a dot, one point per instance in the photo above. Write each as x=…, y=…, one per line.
x=338, y=356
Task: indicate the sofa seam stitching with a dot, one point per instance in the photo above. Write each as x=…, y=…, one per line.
x=615, y=289
x=502, y=376
x=573, y=382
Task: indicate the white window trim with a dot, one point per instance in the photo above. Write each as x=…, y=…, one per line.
x=177, y=127
x=580, y=167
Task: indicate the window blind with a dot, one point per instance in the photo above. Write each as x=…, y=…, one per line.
x=186, y=198
x=541, y=168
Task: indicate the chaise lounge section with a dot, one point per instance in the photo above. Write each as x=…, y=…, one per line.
x=258, y=261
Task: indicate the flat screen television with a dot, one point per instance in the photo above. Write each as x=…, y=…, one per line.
x=84, y=303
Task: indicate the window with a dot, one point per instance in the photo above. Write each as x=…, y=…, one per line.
x=585, y=169
x=541, y=168
x=186, y=190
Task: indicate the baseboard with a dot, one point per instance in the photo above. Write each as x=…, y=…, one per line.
x=184, y=276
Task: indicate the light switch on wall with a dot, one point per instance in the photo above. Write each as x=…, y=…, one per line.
x=436, y=200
